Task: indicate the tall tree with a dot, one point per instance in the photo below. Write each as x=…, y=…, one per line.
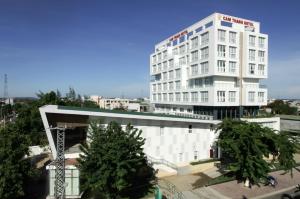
x=245, y=146
x=14, y=168
x=114, y=163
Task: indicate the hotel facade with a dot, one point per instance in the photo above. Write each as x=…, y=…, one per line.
x=212, y=68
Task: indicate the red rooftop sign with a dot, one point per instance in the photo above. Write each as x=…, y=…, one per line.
x=178, y=35
x=236, y=20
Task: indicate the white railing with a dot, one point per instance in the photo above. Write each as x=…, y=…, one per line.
x=154, y=160
x=195, y=116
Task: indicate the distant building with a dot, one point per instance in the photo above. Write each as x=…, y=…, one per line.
x=95, y=98
x=296, y=104
x=113, y=103
x=213, y=67
x=110, y=103
x=7, y=101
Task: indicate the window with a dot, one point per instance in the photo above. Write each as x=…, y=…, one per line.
x=153, y=87
x=165, y=76
x=177, y=84
x=252, y=69
x=171, y=63
x=165, y=65
x=261, y=69
x=232, y=52
x=204, y=53
x=189, y=34
x=261, y=96
x=231, y=96
x=221, y=96
x=165, y=86
x=171, y=74
x=190, y=129
x=185, y=97
x=251, y=96
x=154, y=59
x=194, y=42
x=159, y=97
x=165, y=54
x=204, y=38
x=221, y=50
x=194, y=96
x=178, y=73
x=171, y=86
x=182, y=49
x=204, y=67
x=154, y=68
x=175, y=51
x=195, y=55
x=194, y=69
x=159, y=56
x=159, y=67
x=181, y=61
x=221, y=35
x=232, y=37
x=252, y=55
x=204, y=96
x=261, y=56
x=177, y=96
x=195, y=155
x=198, y=83
x=232, y=67
x=175, y=42
x=261, y=42
x=208, y=81
x=154, y=97
x=171, y=97
x=251, y=40
x=199, y=29
x=159, y=86
x=161, y=131
x=225, y=23
x=209, y=24
x=165, y=97
x=182, y=39
x=221, y=66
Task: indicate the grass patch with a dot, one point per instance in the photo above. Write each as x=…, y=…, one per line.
x=205, y=161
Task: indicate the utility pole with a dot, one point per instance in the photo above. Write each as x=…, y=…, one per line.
x=59, y=187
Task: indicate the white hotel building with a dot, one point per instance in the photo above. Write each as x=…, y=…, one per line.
x=211, y=68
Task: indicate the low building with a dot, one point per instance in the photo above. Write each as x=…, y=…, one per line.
x=114, y=103
x=173, y=139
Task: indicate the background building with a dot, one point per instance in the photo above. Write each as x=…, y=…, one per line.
x=110, y=103
x=213, y=67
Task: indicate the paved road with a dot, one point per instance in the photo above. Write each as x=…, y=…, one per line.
x=280, y=195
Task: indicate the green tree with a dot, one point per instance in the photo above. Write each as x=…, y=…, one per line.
x=114, y=163
x=246, y=145
x=281, y=107
x=29, y=119
x=14, y=168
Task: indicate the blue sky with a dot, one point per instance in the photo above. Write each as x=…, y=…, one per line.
x=102, y=47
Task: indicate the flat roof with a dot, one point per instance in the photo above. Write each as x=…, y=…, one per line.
x=116, y=113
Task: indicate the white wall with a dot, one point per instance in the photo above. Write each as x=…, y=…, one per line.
x=174, y=143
